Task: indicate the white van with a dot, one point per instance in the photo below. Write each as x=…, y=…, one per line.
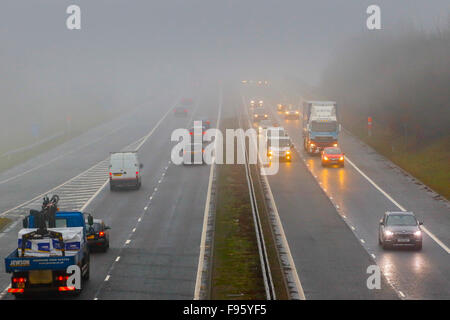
x=124, y=170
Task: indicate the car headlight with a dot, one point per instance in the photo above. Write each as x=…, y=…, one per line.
x=325, y=158
x=335, y=145
x=288, y=152
x=265, y=115
x=341, y=158
x=388, y=233
x=296, y=112
x=313, y=145
x=287, y=112
x=260, y=101
x=418, y=233
x=256, y=115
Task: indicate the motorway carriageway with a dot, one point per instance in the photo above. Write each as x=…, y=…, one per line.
x=331, y=216
x=156, y=231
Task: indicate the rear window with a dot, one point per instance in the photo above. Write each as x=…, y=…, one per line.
x=333, y=151
x=96, y=227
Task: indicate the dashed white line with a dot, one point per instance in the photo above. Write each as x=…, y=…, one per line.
x=127, y=242
x=117, y=259
x=107, y=277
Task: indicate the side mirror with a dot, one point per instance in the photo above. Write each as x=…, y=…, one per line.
x=107, y=228
x=25, y=223
x=141, y=166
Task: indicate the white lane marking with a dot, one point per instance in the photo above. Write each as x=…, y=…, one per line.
x=95, y=298
x=94, y=196
x=127, y=242
x=117, y=259
x=134, y=230
x=139, y=220
x=373, y=256
x=107, y=277
x=362, y=240
x=4, y=292
x=145, y=210
x=201, y=257
x=402, y=294
x=353, y=228
x=59, y=157
x=432, y=236
x=154, y=128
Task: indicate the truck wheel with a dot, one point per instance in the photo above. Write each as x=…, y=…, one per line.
x=418, y=246
x=386, y=246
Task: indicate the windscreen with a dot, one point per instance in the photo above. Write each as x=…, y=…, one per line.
x=324, y=126
x=401, y=220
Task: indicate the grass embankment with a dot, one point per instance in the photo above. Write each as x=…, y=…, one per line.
x=430, y=164
x=7, y=162
x=236, y=268
x=4, y=222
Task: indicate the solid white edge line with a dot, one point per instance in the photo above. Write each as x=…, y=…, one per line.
x=201, y=257
x=431, y=235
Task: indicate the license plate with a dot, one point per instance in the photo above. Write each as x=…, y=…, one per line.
x=91, y=237
x=403, y=240
x=21, y=285
x=117, y=174
x=40, y=276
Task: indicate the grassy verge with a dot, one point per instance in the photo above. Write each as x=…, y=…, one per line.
x=20, y=157
x=430, y=164
x=4, y=222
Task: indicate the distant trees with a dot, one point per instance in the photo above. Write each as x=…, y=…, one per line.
x=402, y=81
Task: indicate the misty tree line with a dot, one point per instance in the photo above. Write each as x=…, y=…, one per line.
x=402, y=81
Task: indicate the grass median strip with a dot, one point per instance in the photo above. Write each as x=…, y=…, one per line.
x=236, y=266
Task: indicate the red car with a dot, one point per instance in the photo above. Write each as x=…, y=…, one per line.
x=331, y=156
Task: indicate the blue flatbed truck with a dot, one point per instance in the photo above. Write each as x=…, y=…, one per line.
x=47, y=274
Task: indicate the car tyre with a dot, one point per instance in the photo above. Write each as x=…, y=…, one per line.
x=418, y=246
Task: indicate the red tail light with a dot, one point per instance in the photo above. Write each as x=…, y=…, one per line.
x=19, y=280
x=101, y=234
x=204, y=132
x=66, y=288
x=62, y=278
x=190, y=133
x=110, y=174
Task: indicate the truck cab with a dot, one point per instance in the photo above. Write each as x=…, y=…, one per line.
x=320, y=126
x=40, y=264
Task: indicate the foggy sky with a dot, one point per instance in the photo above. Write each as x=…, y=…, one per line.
x=254, y=38
x=129, y=49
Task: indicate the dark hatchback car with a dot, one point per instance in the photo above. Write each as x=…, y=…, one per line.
x=400, y=229
x=97, y=235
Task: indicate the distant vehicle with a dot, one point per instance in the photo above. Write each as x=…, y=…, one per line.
x=205, y=122
x=197, y=133
x=187, y=102
x=291, y=112
x=276, y=132
x=279, y=147
x=263, y=125
x=124, y=170
x=400, y=229
x=260, y=103
x=193, y=154
x=97, y=234
x=252, y=103
x=320, y=125
x=181, y=111
x=281, y=107
x=259, y=114
x=46, y=248
x=331, y=156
